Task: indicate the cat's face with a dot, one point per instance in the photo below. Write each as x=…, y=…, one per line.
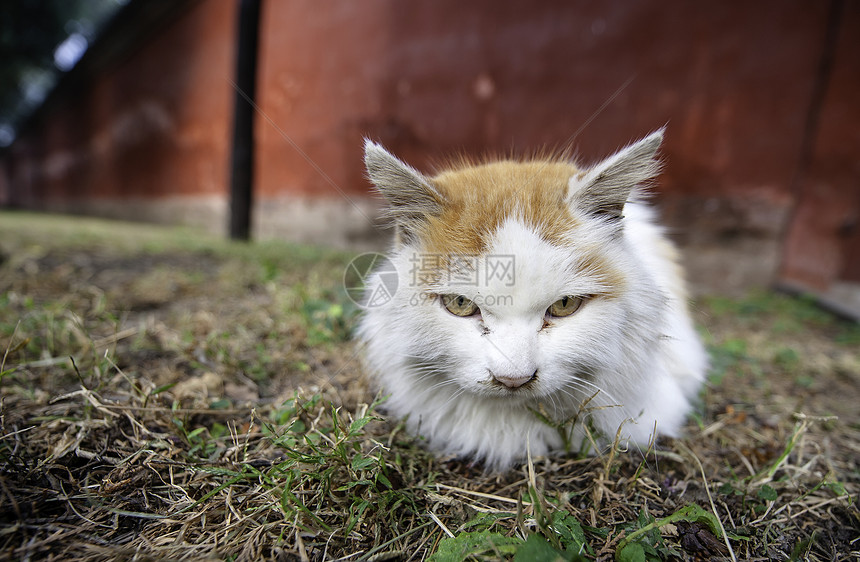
x=514, y=277
x=524, y=319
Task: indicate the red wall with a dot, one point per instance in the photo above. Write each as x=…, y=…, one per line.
x=429, y=78
x=824, y=240
x=750, y=146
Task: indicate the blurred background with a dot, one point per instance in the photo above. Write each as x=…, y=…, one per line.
x=247, y=117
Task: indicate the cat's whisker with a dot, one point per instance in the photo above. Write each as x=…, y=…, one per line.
x=444, y=406
x=576, y=398
x=554, y=403
x=589, y=387
x=627, y=416
x=428, y=370
x=441, y=384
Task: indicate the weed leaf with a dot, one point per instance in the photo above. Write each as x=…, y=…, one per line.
x=537, y=549
x=465, y=545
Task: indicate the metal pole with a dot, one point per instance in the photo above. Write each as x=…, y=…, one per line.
x=242, y=152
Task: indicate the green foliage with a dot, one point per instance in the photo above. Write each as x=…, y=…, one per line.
x=559, y=537
x=644, y=541
x=484, y=521
x=537, y=549
x=725, y=358
x=570, y=532
x=792, y=311
x=562, y=538
x=786, y=314
x=478, y=545
x=787, y=358
x=767, y=493
x=331, y=463
x=326, y=321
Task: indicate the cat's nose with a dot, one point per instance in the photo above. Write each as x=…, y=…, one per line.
x=513, y=380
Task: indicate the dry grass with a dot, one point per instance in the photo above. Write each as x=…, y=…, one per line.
x=170, y=397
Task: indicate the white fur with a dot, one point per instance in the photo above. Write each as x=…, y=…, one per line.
x=633, y=349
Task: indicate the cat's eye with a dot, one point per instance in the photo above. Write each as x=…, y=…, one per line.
x=565, y=306
x=458, y=305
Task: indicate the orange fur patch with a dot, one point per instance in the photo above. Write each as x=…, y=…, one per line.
x=480, y=198
x=609, y=275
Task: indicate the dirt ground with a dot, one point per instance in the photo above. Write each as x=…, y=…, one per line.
x=170, y=396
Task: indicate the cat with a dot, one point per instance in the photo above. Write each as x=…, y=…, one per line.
x=538, y=306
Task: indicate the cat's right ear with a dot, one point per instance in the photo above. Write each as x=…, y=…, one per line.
x=604, y=189
x=411, y=197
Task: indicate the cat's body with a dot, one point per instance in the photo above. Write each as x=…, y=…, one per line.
x=530, y=292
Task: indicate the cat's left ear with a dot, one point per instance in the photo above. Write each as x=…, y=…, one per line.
x=603, y=190
x=411, y=197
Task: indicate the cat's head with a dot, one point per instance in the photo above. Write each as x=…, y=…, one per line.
x=512, y=274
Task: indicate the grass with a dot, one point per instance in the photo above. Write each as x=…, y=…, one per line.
x=170, y=396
